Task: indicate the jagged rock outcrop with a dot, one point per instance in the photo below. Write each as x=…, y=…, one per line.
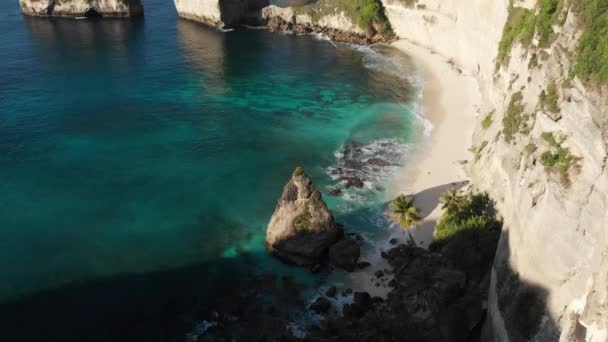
x=221, y=13
x=550, y=273
x=302, y=228
x=82, y=8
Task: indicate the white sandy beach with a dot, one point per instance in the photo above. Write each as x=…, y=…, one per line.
x=450, y=101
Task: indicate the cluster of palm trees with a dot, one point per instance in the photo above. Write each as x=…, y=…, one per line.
x=404, y=213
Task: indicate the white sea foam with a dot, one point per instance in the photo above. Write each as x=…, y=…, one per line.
x=373, y=164
x=255, y=27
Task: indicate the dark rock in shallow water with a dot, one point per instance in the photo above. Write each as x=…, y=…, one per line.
x=302, y=228
x=331, y=292
x=394, y=241
x=344, y=254
x=352, y=182
x=321, y=305
x=377, y=162
x=379, y=274
x=355, y=236
x=335, y=192
x=363, y=264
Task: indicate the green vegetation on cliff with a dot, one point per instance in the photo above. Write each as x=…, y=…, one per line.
x=523, y=25
x=557, y=158
x=365, y=13
x=591, y=55
x=469, y=227
x=515, y=120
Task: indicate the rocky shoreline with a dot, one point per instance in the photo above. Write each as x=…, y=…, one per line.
x=436, y=294
x=277, y=23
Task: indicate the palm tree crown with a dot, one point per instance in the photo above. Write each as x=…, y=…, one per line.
x=405, y=213
x=452, y=200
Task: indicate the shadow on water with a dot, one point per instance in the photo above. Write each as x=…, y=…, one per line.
x=60, y=36
x=159, y=306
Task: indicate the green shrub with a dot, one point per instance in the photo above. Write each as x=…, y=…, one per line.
x=531, y=148
x=519, y=28
x=549, y=137
x=302, y=221
x=298, y=171
x=487, y=121
x=548, y=99
x=514, y=120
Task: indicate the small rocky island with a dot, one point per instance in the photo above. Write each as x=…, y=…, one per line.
x=302, y=229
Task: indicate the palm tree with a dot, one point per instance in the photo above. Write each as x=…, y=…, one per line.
x=405, y=213
x=451, y=200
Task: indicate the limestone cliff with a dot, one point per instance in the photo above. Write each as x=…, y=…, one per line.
x=302, y=229
x=81, y=8
x=220, y=13
x=541, y=147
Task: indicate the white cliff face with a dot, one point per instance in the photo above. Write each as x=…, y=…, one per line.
x=105, y=8
x=206, y=11
x=555, y=236
x=219, y=13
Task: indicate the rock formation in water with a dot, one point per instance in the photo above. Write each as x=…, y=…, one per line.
x=221, y=13
x=542, y=142
x=302, y=228
x=82, y=8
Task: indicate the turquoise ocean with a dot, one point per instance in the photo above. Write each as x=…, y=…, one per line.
x=139, y=148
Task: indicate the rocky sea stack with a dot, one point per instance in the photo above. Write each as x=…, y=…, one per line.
x=302, y=229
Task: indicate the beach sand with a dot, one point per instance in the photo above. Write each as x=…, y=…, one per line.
x=450, y=101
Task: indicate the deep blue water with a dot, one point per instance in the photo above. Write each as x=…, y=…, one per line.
x=148, y=145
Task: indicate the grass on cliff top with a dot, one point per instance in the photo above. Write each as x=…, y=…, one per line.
x=363, y=12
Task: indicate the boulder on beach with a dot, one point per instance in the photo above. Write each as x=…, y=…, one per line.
x=302, y=228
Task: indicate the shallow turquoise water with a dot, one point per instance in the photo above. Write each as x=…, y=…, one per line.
x=151, y=144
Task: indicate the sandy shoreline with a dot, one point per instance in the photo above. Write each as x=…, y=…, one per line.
x=450, y=101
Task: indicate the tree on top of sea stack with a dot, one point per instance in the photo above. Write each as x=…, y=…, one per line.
x=302, y=228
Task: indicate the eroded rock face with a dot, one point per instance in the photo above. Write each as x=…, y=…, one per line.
x=221, y=14
x=302, y=228
x=82, y=8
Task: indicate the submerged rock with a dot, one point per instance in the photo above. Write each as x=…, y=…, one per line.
x=302, y=228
